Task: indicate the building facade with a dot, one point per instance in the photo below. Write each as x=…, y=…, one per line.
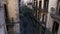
x=3, y=29
x=46, y=11
x=53, y=19
x=49, y=14
x=11, y=14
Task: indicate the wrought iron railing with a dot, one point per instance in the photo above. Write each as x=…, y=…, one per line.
x=55, y=16
x=39, y=27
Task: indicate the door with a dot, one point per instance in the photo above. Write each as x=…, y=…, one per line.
x=6, y=15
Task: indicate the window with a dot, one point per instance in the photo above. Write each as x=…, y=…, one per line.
x=59, y=11
x=55, y=27
x=6, y=11
x=6, y=16
x=46, y=2
x=0, y=3
x=58, y=8
x=43, y=17
x=40, y=4
x=36, y=3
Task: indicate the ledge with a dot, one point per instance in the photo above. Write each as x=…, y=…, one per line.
x=54, y=16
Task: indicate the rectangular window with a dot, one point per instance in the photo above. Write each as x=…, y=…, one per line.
x=59, y=11
x=6, y=10
x=43, y=17
x=36, y=3
x=46, y=2
x=59, y=8
x=0, y=3
x=55, y=27
x=40, y=4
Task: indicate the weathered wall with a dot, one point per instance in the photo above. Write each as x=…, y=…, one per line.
x=17, y=28
x=2, y=20
x=13, y=9
x=52, y=3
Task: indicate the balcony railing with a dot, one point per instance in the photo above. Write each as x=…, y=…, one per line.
x=40, y=26
x=55, y=16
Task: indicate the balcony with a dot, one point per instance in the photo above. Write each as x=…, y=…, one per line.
x=55, y=16
x=41, y=10
x=40, y=27
x=44, y=10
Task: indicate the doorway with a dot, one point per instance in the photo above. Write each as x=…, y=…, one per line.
x=6, y=16
x=55, y=27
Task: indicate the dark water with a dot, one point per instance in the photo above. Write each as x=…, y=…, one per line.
x=25, y=21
